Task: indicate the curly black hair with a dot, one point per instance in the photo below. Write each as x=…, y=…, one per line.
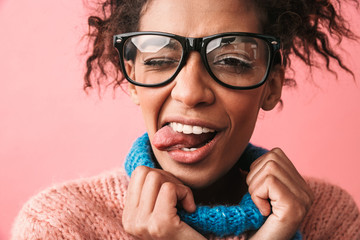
x=307, y=29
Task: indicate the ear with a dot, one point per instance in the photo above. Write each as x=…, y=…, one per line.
x=129, y=65
x=133, y=94
x=273, y=87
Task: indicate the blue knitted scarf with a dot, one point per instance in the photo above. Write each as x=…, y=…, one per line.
x=218, y=220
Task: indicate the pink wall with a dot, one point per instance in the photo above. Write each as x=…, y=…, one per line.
x=50, y=131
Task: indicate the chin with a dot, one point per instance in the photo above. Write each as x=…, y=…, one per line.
x=197, y=181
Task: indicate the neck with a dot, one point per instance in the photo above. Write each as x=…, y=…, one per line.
x=228, y=190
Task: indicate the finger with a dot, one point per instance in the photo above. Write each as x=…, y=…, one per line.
x=129, y=219
x=186, y=197
x=297, y=186
x=287, y=211
x=150, y=191
x=260, y=198
x=274, y=154
x=288, y=163
x=165, y=220
x=278, y=156
x=169, y=196
x=135, y=186
x=269, y=190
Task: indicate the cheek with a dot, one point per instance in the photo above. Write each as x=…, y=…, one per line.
x=244, y=121
x=148, y=107
x=243, y=109
x=151, y=102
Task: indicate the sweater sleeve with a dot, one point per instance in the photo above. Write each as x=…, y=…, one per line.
x=28, y=225
x=84, y=209
x=333, y=215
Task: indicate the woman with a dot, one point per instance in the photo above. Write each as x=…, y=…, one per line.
x=200, y=72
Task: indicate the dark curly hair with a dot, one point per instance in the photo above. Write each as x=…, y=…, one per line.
x=306, y=28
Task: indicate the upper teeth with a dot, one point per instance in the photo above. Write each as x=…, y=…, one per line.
x=188, y=129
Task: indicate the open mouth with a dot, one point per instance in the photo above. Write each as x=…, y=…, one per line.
x=186, y=144
x=178, y=136
x=194, y=137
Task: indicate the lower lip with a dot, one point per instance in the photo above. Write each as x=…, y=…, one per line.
x=192, y=157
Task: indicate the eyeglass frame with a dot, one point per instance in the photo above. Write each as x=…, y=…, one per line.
x=199, y=45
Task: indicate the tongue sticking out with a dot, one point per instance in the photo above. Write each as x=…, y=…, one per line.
x=167, y=139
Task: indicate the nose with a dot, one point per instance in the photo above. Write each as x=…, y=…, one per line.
x=193, y=83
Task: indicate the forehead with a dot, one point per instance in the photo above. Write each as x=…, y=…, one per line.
x=200, y=18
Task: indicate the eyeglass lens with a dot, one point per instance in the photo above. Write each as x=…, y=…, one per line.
x=239, y=61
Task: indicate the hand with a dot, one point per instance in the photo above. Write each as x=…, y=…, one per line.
x=150, y=209
x=279, y=191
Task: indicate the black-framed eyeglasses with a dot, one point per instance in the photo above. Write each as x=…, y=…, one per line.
x=235, y=60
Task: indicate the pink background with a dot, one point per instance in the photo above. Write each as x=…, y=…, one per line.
x=51, y=131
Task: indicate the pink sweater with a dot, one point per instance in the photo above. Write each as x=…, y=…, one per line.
x=92, y=209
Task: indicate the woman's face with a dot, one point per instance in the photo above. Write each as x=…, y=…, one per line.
x=195, y=100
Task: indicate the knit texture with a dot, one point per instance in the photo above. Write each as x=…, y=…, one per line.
x=92, y=208
x=334, y=210
x=218, y=220
x=225, y=220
